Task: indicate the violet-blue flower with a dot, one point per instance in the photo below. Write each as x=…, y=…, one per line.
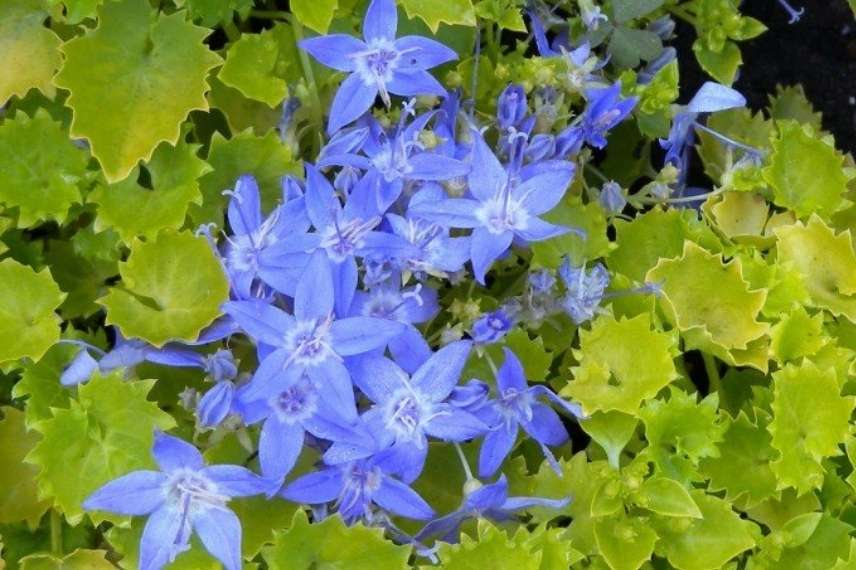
x=710, y=98
x=489, y=500
x=409, y=409
x=312, y=341
x=501, y=208
x=244, y=255
x=515, y=407
x=288, y=414
x=605, y=109
x=585, y=290
x=492, y=327
x=380, y=65
x=342, y=233
x=357, y=487
x=183, y=497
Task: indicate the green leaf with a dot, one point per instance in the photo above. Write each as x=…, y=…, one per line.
x=133, y=210
x=626, y=10
x=743, y=468
x=810, y=421
x=78, y=560
x=805, y=171
x=642, y=242
x=825, y=261
x=492, y=548
x=797, y=335
x=579, y=479
x=681, y=433
x=571, y=213
x=264, y=157
x=30, y=49
x=210, y=13
x=256, y=63
x=77, y=10
x=432, y=12
x=39, y=383
x=171, y=289
x=133, y=80
x=28, y=299
x=829, y=542
x=628, y=46
x=625, y=542
x=40, y=168
x=19, y=500
x=331, y=544
x=317, y=14
x=702, y=292
x=705, y=543
x=242, y=112
x=666, y=497
x=107, y=432
x=790, y=104
x=622, y=363
x=82, y=278
x=721, y=65
x=612, y=431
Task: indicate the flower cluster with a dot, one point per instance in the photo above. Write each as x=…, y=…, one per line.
x=331, y=287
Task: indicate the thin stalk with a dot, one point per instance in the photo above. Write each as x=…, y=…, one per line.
x=56, y=532
x=715, y=382
x=464, y=461
x=683, y=14
x=315, y=111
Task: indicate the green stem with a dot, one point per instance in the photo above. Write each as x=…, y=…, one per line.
x=596, y=171
x=316, y=114
x=712, y=372
x=683, y=14
x=232, y=32
x=56, y=532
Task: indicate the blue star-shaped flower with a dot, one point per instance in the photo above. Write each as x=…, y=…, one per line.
x=502, y=208
x=381, y=64
x=409, y=409
x=490, y=501
x=312, y=341
x=357, y=487
x=516, y=407
x=183, y=497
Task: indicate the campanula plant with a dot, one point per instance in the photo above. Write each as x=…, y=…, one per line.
x=453, y=284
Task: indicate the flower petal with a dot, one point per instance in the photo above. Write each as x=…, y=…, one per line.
x=352, y=99
x=164, y=537
x=280, y=444
x=422, y=53
x=313, y=299
x=334, y=50
x=381, y=21
x=262, y=321
x=357, y=335
x=487, y=176
x=137, y=493
x=485, y=248
x=398, y=498
x=172, y=453
x=495, y=448
x=236, y=481
x=245, y=210
x=441, y=373
x=220, y=533
x=315, y=488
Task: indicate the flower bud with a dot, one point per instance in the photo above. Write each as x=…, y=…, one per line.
x=511, y=106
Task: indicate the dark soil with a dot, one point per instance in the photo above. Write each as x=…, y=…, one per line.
x=818, y=52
